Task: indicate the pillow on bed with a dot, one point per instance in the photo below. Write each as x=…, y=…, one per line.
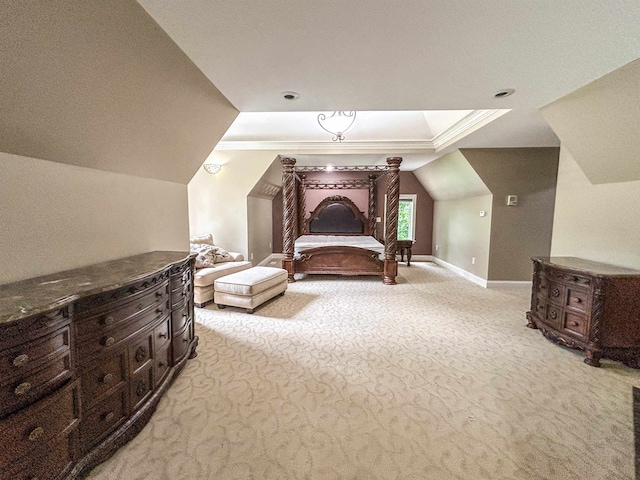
x=209, y=255
x=203, y=239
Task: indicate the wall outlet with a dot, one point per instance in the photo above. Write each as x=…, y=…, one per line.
x=473, y=260
x=251, y=255
x=437, y=246
x=482, y=213
x=270, y=245
x=378, y=219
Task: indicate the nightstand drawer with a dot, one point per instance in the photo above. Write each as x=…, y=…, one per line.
x=576, y=324
x=577, y=299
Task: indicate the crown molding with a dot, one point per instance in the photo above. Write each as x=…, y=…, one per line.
x=318, y=147
x=467, y=125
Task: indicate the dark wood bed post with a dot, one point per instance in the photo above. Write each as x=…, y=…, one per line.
x=391, y=229
x=288, y=215
x=302, y=205
x=372, y=205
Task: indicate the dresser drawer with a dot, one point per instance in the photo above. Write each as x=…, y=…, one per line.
x=46, y=464
x=35, y=426
x=180, y=275
x=141, y=386
x=140, y=352
x=154, y=301
x=107, y=375
x=26, y=389
x=180, y=317
x=180, y=295
x=181, y=343
x=162, y=335
x=161, y=363
x=112, y=338
x=98, y=304
x=577, y=299
x=575, y=324
x=103, y=418
x=14, y=333
x=32, y=355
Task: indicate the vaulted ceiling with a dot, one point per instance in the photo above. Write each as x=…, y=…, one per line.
x=377, y=56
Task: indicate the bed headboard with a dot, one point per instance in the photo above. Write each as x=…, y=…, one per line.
x=337, y=215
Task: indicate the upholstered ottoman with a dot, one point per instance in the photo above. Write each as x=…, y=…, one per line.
x=249, y=288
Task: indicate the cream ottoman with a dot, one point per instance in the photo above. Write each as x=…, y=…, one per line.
x=249, y=288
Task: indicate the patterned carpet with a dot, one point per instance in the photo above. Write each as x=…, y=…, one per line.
x=349, y=379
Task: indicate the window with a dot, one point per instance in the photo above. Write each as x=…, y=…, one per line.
x=406, y=216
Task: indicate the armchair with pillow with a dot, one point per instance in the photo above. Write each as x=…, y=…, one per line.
x=212, y=262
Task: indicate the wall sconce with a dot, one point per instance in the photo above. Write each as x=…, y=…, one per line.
x=212, y=168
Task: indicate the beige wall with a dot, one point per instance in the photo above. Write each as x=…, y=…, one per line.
x=596, y=222
x=598, y=124
x=259, y=213
x=460, y=233
x=218, y=203
x=55, y=216
x=100, y=85
x=522, y=231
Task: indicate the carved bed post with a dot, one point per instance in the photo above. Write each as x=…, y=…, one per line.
x=372, y=205
x=302, y=205
x=288, y=215
x=391, y=232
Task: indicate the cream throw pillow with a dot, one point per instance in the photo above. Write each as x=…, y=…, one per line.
x=203, y=239
x=208, y=255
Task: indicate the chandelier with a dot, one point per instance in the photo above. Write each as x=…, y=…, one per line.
x=337, y=124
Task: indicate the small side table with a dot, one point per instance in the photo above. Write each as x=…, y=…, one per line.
x=404, y=246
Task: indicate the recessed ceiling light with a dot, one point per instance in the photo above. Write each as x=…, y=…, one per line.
x=504, y=93
x=290, y=95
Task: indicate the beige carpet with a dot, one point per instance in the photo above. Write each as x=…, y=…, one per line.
x=344, y=378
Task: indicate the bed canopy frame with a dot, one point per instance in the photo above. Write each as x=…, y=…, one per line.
x=342, y=260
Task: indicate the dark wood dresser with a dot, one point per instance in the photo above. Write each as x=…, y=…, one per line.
x=588, y=305
x=85, y=356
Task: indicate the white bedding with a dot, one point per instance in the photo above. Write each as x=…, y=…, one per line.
x=311, y=241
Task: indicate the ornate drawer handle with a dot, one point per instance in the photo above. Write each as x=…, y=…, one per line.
x=36, y=434
x=161, y=364
x=158, y=294
x=553, y=315
x=543, y=287
x=159, y=310
x=555, y=292
x=108, y=320
x=183, y=293
x=141, y=354
x=539, y=307
x=20, y=360
x=574, y=324
x=108, y=378
x=162, y=335
x=108, y=416
x=108, y=341
x=23, y=388
x=185, y=340
x=576, y=300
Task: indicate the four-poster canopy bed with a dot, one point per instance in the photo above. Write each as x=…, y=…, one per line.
x=337, y=238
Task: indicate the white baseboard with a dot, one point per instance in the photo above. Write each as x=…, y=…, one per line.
x=481, y=281
x=509, y=284
x=463, y=273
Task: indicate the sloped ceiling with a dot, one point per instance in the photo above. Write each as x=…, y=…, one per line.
x=101, y=85
x=449, y=177
x=599, y=124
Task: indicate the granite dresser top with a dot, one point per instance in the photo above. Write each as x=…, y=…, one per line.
x=46, y=293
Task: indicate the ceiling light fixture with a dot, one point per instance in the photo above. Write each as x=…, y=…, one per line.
x=337, y=124
x=212, y=168
x=505, y=93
